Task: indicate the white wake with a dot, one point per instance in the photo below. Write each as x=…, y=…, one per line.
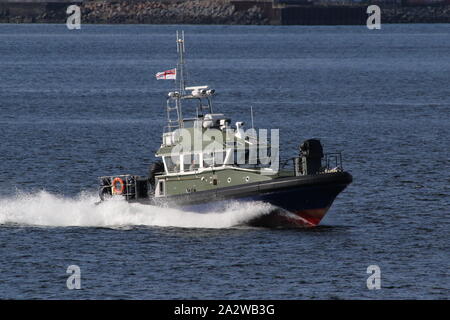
x=46, y=209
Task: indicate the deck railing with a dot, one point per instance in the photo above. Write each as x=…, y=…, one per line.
x=331, y=162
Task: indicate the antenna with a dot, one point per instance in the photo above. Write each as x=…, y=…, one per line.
x=251, y=112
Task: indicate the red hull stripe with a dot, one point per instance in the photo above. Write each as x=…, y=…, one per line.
x=312, y=216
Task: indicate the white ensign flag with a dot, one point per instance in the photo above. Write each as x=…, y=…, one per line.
x=167, y=75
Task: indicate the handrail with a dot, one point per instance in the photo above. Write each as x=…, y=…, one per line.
x=331, y=161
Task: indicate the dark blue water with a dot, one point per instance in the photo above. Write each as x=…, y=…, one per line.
x=75, y=105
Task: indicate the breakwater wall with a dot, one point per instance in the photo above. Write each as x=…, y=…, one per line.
x=254, y=12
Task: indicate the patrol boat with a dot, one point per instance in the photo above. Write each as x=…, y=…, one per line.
x=204, y=163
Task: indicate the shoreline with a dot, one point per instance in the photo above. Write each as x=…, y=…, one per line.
x=219, y=12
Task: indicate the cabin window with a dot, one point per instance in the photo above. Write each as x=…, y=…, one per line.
x=191, y=162
x=246, y=158
x=196, y=160
x=208, y=160
x=172, y=164
x=213, y=159
x=241, y=157
x=187, y=162
x=229, y=157
x=189, y=123
x=195, y=164
x=161, y=190
x=219, y=158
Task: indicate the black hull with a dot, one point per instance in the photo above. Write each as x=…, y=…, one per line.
x=300, y=200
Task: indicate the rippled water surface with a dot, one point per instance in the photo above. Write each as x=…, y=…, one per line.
x=75, y=105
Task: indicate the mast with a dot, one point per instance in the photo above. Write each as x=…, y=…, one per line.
x=175, y=98
x=180, y=72
x=180, y=64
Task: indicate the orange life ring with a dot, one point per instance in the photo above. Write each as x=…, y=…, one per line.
x=114, y=186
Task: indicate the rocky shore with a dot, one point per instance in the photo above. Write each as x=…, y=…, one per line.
x=207, y=12
x=439, y=14
x=188, y=12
